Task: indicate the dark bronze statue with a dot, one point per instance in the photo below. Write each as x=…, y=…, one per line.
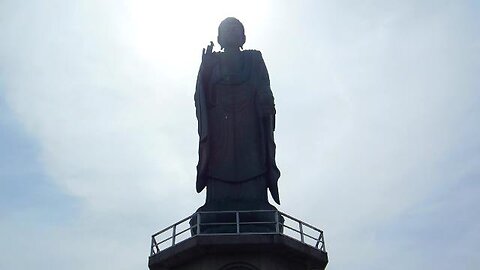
x=236, y=119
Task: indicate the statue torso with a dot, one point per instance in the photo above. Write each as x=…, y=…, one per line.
x=237, y=150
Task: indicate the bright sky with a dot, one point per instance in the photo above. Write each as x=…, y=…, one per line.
x=378, y=135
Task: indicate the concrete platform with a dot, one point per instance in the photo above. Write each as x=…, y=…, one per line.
x=239, y=252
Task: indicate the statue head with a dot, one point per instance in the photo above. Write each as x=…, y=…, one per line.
x=231, y=33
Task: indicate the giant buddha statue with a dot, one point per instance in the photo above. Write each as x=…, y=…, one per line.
x=236, y=120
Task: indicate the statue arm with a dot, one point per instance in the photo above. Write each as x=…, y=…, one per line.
x=266, y=108
x=265, y=95
x=200, y=106
x=202, y=85
x=209, y=59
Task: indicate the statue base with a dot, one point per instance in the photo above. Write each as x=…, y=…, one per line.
x=225, y=199
x=238, y=240
x=239, y=252
x=215, y=219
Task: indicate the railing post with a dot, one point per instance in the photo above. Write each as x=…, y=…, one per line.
x=198, y=223
x=301, y=231
x=151, y=247
x=323, y=243
x=277, y=222
x=154, y=246
x=173, y=234
x=237, y=218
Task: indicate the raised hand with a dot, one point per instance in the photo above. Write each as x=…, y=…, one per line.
x=208, y=57
x=206, y=53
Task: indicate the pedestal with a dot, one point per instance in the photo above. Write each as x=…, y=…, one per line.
x=239, y=251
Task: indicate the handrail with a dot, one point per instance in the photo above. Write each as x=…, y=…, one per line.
x=297, y=220
x=271, y=225
x=171, y=226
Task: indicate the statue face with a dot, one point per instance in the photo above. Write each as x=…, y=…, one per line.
x=231, y=33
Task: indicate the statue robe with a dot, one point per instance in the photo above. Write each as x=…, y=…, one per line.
x=236, y=118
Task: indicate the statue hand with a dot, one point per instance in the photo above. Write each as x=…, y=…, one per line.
x=209, y=49
x=207, y=56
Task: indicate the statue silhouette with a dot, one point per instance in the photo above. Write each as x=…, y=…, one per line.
x=236, y=120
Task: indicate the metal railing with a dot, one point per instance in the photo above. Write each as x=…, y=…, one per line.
x=237, y=223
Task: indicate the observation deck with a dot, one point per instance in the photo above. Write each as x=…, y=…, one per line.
x=257, y=239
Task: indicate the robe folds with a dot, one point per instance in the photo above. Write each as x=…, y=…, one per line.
x=236, y=121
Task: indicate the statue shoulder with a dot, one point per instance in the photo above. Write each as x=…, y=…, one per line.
x=255, y=56
x=253, y=53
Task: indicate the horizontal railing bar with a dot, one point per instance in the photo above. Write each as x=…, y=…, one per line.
x=163, y=241
x=291, y=228
x=187, y=229
x=305, y=234
x=234, y=223
x=297, y=220
x=240, y=211
x=166, y=229
x=177, y=242
x=162, y=231
x=243, y=233
x=218, y=223
x=311, y=227
x=257, y=222
x=177, y=234
x=317, y=230
x=233, y=212
x=311, y=237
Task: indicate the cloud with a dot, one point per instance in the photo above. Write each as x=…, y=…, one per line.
x=376, y=135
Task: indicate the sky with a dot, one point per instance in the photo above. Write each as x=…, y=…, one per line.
x=378, y=134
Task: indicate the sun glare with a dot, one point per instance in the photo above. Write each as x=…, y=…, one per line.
x=174, y=32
